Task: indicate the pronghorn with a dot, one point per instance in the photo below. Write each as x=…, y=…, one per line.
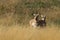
x=33, y=22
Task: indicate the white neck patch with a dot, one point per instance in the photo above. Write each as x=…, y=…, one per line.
x=42, y=19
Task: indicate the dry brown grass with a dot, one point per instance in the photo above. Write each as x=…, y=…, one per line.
x=22, y=33
x=9, y=30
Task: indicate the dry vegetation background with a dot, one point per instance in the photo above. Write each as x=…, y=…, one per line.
x=15, y=16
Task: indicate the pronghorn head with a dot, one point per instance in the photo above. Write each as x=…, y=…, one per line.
x=36, y=16
x=43, y=17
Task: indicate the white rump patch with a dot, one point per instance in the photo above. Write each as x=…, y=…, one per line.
x=34, y=25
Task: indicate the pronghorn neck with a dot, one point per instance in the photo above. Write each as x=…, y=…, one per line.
x=42, y=19
x=36, y=16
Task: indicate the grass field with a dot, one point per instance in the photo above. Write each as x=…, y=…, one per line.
x=16, y=14
x=28, y=33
